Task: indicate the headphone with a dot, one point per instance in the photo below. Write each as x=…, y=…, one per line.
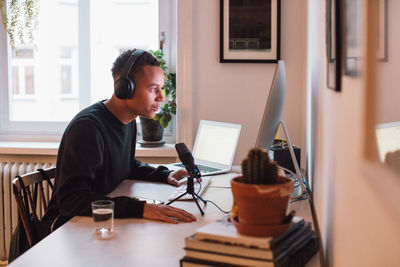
x=124, y=87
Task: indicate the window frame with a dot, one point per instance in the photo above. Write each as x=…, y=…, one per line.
x=34, y=130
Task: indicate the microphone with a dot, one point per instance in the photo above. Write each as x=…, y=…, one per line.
x=187, y=159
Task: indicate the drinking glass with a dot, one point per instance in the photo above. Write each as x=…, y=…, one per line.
x=103, y=215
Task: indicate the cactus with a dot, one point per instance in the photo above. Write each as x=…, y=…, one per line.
x=257, y=168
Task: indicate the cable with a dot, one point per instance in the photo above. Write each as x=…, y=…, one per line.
x=299, y=199
x=303, y=196
x=295, y=180
x=294, y=177
x=205, y=200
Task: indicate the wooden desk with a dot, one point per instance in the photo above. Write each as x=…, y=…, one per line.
x=136, y=242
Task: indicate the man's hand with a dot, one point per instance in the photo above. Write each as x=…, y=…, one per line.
x=175, y=177
x=166, y=213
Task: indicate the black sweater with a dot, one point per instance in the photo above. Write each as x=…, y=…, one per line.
x=96, y=153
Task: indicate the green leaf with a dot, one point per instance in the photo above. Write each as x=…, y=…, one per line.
x=163, y=123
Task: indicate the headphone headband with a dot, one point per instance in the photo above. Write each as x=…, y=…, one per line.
x=131, y=62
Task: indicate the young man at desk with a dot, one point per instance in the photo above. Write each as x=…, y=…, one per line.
x=97, y=150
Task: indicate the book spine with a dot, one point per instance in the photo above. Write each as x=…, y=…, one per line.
x=208, y=252
x=229, y=259
x=306, y=254
x=187, y=261
x=300, y=253
x=292, y=229
x=287, y=242
x=227, y=248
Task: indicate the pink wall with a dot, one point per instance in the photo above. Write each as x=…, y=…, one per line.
x=356, y=200
x=237, y=93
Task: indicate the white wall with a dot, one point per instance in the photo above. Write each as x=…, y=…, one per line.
x=237, y=92
x=359, y=222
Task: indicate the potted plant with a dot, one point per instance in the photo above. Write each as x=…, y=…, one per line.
x=260, y=196
x=153, y=129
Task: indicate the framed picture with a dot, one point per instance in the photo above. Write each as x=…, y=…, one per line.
x=333, y=44
x=352, y=36
x=382, y=45
x=353, y=32
x=250, y=31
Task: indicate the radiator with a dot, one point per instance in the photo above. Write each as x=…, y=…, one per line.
x=8, y=206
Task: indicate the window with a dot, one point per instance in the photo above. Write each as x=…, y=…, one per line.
x=68, y=72
x=70, y=66
x=23, y=72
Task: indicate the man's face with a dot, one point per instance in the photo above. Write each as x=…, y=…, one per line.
x=148, y=96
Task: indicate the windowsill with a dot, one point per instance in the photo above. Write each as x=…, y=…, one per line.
x=29, y=148
x=51, y=148
x=168, y=150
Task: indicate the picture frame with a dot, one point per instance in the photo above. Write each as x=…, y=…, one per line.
x=250, y=32
x=333, y=44
x=382, y=49
x=353, y=32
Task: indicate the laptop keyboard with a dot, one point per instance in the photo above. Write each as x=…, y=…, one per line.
x=203, y=169
x=205, y=181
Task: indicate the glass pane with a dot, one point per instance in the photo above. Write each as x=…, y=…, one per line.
x=29, y=80
x=15, y=80
x=129, y=24
x=50, y=72
x=58, y=28
x=250, y=25
x=66, y=80
x=23, y=53
x=65, y=52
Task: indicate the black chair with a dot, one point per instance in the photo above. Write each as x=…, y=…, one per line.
x=26, y=189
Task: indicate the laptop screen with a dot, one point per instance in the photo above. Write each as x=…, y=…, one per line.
x=388, y=138
x=216, y=142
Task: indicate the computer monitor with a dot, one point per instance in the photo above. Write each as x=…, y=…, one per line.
x=272, y=119
x=273, y=109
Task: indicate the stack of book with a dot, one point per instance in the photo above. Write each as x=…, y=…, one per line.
x=219, y=244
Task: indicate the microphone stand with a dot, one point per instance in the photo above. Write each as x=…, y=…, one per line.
x=190, y=191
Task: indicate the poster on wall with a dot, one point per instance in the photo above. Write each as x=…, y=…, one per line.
x=353, y=34
x=382, y=35
x=352, y=37
x=333, y=44
x=249, y=31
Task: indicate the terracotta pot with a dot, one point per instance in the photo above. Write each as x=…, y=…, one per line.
x=261, y=205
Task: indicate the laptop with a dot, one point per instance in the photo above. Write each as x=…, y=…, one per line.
x=214, y=147
x=388, y=138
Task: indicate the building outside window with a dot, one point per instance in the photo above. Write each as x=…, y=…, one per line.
x=23, y=72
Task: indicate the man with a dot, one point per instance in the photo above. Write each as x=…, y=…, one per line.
x=97, y=150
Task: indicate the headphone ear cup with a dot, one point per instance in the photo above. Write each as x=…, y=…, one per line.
x=124, y=88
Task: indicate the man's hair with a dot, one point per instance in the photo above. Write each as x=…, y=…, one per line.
x=146, y=59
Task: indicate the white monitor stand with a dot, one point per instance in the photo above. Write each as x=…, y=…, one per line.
x=298, y=175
